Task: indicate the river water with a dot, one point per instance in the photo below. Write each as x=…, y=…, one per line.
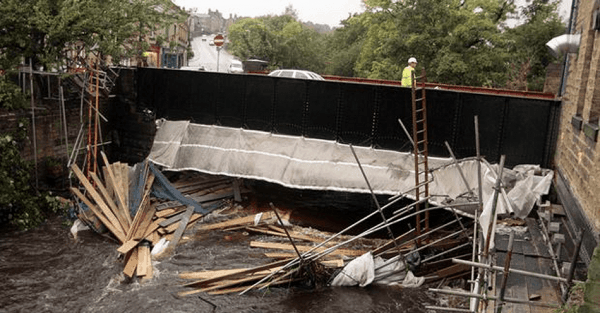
x=47, y=270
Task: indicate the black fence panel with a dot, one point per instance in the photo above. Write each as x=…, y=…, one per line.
x=393, y=104
x=231, y=99
x=523, y=129
x=259, y=103
x=323, y=102
x=356, y=114
x=290, y=106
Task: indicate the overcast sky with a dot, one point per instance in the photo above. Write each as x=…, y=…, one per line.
x=329, y=12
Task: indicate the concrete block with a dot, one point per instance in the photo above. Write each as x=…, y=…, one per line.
x=554, y=227
x=558, y=238
x=564, y=271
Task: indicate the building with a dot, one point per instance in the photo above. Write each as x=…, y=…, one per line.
x=577, y=158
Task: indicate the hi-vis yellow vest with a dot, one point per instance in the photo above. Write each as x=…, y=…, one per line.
x=407, y=77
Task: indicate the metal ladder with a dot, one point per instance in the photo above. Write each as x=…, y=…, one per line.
x=419, y=136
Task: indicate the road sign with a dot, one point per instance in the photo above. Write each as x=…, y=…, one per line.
x=219, y=40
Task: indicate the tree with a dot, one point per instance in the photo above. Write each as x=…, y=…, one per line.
x=344, y=47
x=454, y=40
x=526, y=45
x=281, y=40
x=43, y=30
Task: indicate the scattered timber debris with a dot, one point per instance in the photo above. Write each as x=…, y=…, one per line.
x=146, y=222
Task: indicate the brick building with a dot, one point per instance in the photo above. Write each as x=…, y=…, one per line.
x=577, y=158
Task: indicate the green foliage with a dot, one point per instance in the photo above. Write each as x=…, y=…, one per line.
x=280, y=40
x=11, y=97
x=43, y=30
x=18, y=200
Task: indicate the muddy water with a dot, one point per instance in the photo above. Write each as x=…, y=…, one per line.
x=46, y=270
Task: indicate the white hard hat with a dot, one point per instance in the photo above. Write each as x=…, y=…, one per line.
x=412, y=60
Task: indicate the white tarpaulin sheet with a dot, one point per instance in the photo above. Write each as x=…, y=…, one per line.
x=305, y=163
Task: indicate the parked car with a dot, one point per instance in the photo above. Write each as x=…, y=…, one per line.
x=235, y=67
x=193, y=68
x=296, y=74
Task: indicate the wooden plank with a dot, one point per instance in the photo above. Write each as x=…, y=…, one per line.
x=97, y=198
x=126, y=247
x=206, y=187
x=170, y=211
x=238, y=221
x=284, y=246
x=146, y=221
x=235, y=275
x=223, y=284
x=213, y=196
x=144, y=266
x=172, y=219
x=294, y=235
x=131, y=261
x=139, y=216
x=331, y=263
x=218, y=273
x=122, y=205
x=183, y=223
x=171, y=228
x=111, y=204
x=125, y=184
x=238, y=289
x=100, y=216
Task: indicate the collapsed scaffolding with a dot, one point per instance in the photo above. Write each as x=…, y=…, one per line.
x=469, y=203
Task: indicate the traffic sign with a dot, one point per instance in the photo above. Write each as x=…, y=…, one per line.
x=219, y=40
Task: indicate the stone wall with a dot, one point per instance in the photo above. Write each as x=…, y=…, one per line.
x=577, y=156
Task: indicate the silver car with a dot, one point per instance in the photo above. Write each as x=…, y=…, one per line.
x=296, y=74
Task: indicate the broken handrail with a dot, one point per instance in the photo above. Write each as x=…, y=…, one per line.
x=479, y=209
x=420, y=248
x=403, y=194
x=389, y=230
x=297, y=260
x=511, y=239
x=486, y=297
x=446, y=252
x=462, y=174
x=431, y=307
x=502, y=189
x=373, y=229
x=512, y=270
x=286, y=232
x=424, y=234
x=572, y=268
x=546, y=236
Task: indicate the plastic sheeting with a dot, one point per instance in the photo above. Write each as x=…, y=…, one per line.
x=366, y=270
x=304, y=163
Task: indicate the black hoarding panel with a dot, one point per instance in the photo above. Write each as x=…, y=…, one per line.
x=525, y=131
x=394, y=104
x=442, y=111
x=290, y=105
x=203, y=97
x=231, y=101
x=259, y=103
x=322, y=110
x=490, y=114
x=357, y=111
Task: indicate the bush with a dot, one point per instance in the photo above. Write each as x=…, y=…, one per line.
x=11, y=97
x=20, y=204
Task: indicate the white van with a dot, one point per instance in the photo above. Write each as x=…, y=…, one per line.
x=235, y=67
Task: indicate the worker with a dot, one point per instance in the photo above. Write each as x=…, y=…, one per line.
x=407, y=72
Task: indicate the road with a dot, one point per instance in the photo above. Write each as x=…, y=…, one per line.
x=207, y=55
